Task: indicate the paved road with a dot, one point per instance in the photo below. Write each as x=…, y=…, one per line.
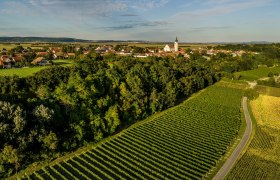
x=231, y=160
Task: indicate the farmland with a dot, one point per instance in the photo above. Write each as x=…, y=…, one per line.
x=21, y=72
x=184, y=142
x=24, y=72
x=270, y=91
x=258, y=73
x=261, y=160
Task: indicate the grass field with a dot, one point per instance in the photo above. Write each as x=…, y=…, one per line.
x=21, y=72
x=184, y=142
x=9, y=46
x=270, y=91
x=261, y=160
x=257, y=73
x=24, y=72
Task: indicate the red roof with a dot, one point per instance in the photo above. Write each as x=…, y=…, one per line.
x=42, y=53
x=37, y=60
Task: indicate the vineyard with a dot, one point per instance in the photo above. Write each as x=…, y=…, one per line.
x=184, y=142
x=261, y=160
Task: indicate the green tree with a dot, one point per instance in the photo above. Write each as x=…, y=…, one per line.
x=112, y=119
x=10, y=155
x=43, y=113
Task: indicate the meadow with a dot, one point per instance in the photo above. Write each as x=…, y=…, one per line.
x=270, y=91
x=9, y=46
x=21, y=72
x=261, y=160
x=256, y=74
x=184, y=142
x=28, y=71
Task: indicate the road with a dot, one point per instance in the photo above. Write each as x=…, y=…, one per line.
x=233, y=157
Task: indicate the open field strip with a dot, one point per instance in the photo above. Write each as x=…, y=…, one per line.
x=256, y=74
x=24, y=72
x=184, y=142
x=21, y=72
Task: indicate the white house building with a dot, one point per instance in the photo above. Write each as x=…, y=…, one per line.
x=172, y=47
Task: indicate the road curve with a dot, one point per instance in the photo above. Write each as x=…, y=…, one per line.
x=233, y=157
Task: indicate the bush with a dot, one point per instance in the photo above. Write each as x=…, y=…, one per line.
x=251, y=94
x=270, y=74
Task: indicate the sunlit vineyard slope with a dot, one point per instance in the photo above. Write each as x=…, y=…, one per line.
x=184, y=142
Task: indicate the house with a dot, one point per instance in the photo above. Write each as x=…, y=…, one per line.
x=42, y=53
x=58, y=55
x=70, y=55
x=168, y=48
x=172, y=47
x=55, y=50
x=86, y=52
x=41, y=61
x=18, y=58
x=7, y=61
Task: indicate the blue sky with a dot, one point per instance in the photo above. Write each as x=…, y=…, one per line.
x=153, y=20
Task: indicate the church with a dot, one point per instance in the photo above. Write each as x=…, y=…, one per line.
x=172, y=47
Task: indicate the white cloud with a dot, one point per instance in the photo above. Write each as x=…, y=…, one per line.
x=146, y=4
x=82, y=9
x=220, y=8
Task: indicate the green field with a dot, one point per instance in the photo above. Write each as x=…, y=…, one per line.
x=21, y=72
x=184, y=142
x=10, y=46
x=63, y=62
x=24, y=72
x=256, y=74
x=271, y=91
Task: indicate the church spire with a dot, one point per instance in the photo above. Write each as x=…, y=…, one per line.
x=176, y=45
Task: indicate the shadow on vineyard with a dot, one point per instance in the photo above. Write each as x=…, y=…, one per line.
x=184, y=142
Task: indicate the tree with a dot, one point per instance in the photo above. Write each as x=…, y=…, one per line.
x=50, y=141
x=43, y=92
x=112, y=119
x=12, y=122
x=50, y=56
x=44, y=114
x=10, y=155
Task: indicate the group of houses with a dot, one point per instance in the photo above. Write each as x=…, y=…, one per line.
x=7, y=61
x=41, y=57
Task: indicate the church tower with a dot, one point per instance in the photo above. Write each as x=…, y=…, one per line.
x=176, y=45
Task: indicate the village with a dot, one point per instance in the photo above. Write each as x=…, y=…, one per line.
x=27, y=57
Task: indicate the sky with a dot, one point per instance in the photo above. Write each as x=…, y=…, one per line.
x=150, y=20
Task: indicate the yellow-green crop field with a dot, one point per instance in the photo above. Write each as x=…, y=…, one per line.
x=262, y=158
x=270, y=91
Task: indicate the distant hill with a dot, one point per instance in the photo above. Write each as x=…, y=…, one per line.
x=40, y=39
